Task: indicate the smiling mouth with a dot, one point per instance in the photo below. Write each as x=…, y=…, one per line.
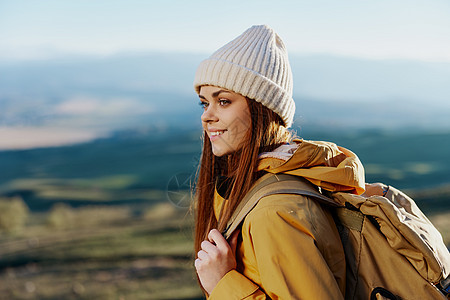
x=217, y=133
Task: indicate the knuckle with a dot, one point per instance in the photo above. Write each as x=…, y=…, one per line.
x=227, y=252
x=197, y=264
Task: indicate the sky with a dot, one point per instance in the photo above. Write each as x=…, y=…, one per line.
x=376, y=29
x=360, y=32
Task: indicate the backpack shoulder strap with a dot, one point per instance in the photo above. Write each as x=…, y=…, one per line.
x=271, y=184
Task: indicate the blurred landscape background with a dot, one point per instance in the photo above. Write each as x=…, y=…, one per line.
x=100, y=132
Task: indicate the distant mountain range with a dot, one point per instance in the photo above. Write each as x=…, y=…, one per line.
x=103, y=94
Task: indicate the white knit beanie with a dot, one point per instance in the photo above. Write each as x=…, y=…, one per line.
x=255, y=65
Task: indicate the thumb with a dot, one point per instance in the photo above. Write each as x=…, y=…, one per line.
x=233, y=240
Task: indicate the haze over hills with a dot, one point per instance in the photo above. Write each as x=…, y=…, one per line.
x=103, y=94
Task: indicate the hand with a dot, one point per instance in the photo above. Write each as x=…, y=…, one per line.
x=216, y=259
x=375, y=189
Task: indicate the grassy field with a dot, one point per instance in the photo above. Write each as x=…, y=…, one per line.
x=97, y=252
x=114, y=256
x=110, y=219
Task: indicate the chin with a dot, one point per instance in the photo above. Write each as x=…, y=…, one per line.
x=219, y=151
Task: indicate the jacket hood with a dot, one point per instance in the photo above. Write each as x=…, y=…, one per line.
x=325, y=164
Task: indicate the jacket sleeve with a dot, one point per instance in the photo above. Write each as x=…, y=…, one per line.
x=234, y=285
x=285, y=253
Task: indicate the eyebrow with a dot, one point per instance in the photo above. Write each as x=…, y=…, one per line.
x=215, y=94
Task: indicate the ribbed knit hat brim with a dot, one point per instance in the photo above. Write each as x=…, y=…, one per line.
x=255, y=65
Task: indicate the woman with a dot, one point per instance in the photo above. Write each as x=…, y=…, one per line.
x=288, y=246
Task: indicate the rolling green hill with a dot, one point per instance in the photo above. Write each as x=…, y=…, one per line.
x=135, y=167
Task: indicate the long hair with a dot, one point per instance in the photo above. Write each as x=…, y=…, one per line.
x=266, y=133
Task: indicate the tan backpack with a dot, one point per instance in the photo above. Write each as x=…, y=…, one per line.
x=392, y=250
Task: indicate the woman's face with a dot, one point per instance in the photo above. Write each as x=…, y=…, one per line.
x=226, y=118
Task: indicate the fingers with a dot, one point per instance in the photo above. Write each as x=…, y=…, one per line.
x=208, y=250
x=217, y=245
x=216, y=237
x=215, y=259
x=208, y=247
x=202, y=255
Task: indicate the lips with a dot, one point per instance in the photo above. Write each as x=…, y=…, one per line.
x=215, y=134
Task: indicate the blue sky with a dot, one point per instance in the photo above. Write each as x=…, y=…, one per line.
x=362, y=31
x=376, y=29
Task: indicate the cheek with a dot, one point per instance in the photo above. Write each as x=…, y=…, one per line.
x=240, y=127
x=248, y=121
x=245, y=118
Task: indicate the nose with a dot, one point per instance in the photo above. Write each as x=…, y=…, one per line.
x=209, y=115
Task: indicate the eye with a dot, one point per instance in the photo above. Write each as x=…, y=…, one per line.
x=224, y=102
x=203, y=104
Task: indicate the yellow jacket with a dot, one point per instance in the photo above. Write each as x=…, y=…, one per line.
x=290, y=247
